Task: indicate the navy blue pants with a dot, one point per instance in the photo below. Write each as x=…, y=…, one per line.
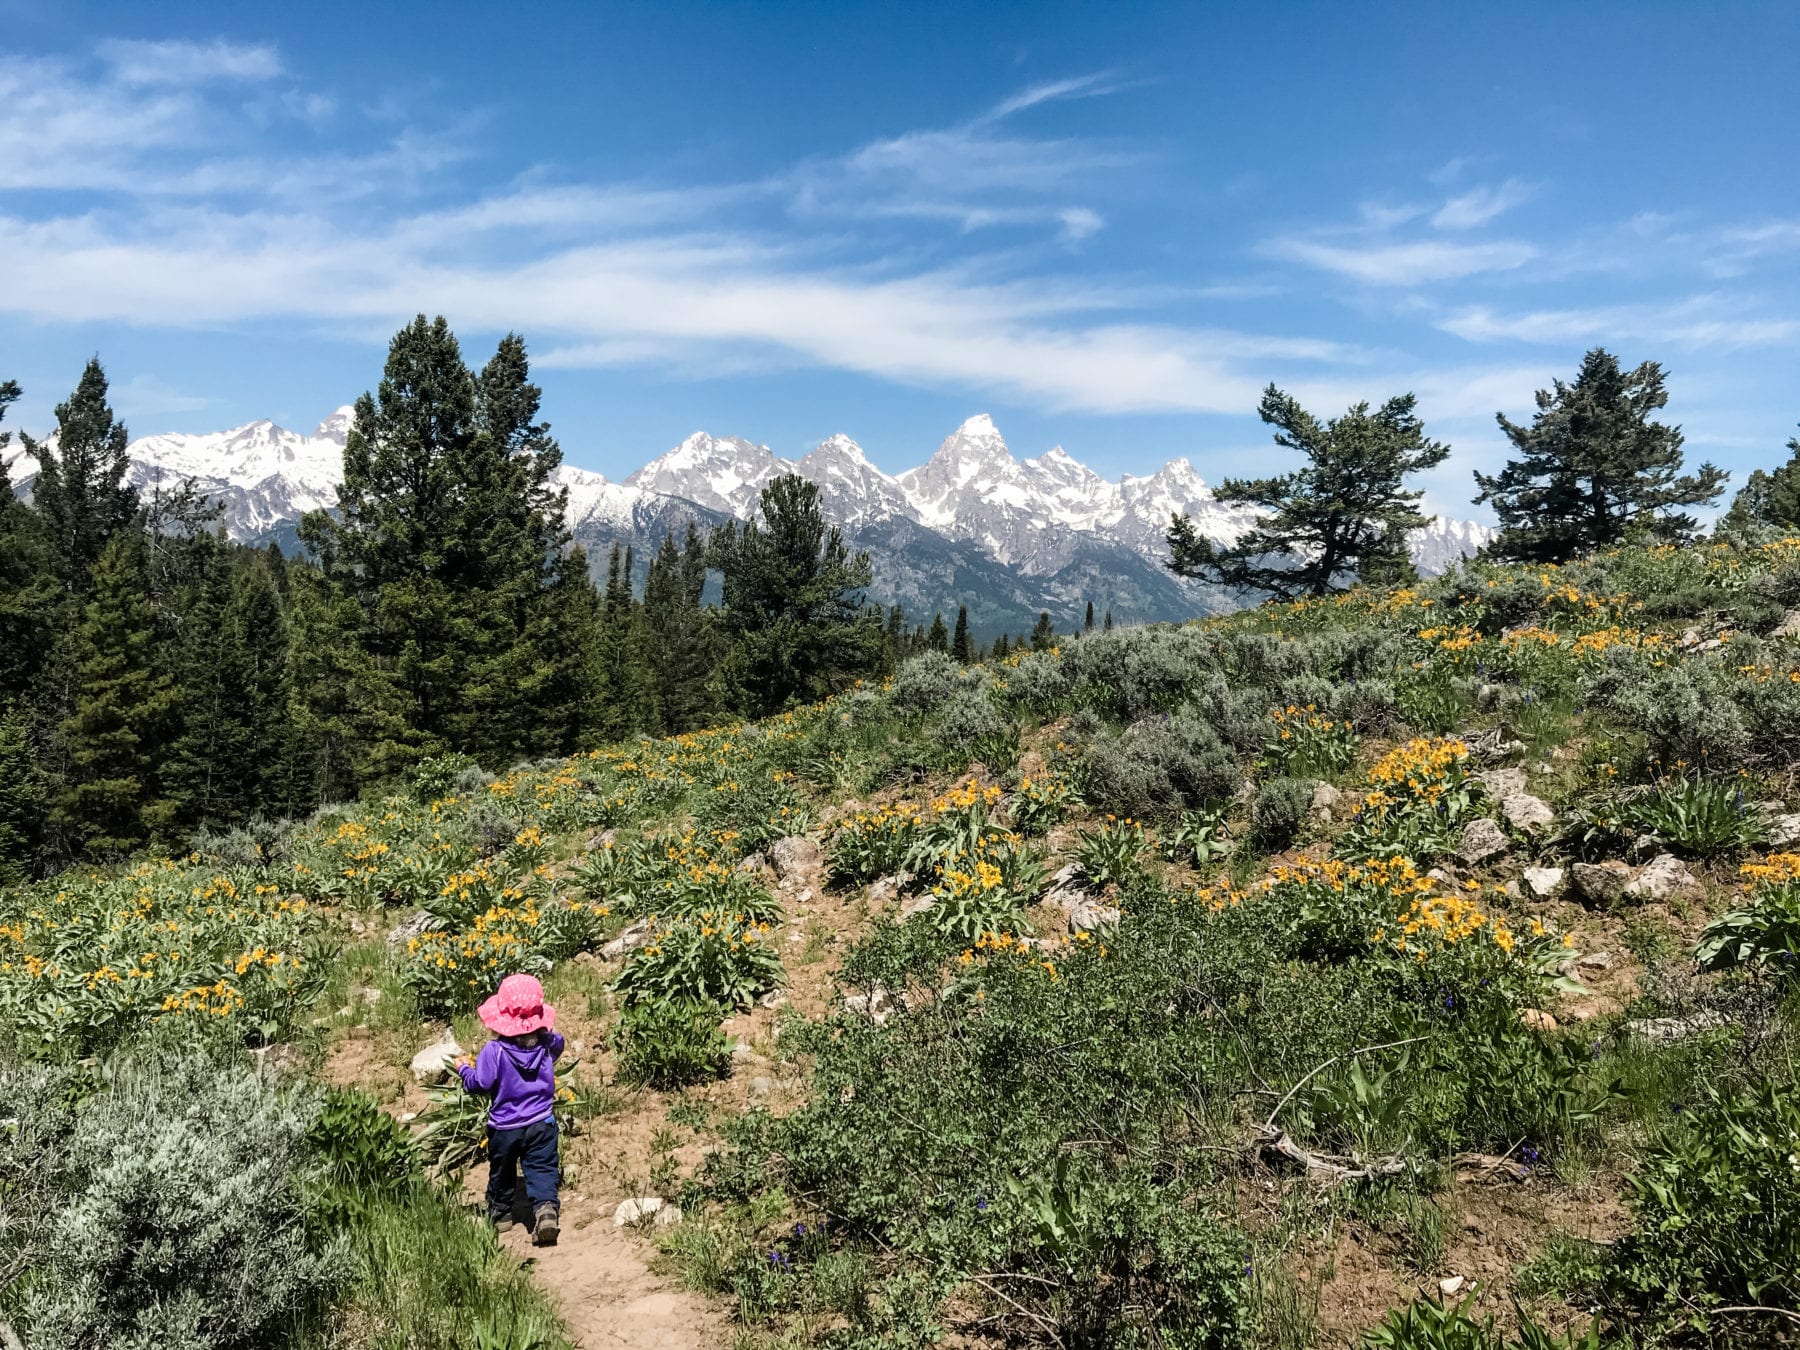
x=531, y=1148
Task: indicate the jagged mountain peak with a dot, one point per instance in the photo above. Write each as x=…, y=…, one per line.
x=336, y=427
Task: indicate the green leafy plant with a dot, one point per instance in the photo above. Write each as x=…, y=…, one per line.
x=1109, y=853
x=1303, y=742
x=1764, y=935
x=706, y=958
x=1199, y=838
x=367, y=1154
x=1041, y=801
x=1716, y=1206
x=1701, y=816
x=1429, y=1324
x=672, y=1044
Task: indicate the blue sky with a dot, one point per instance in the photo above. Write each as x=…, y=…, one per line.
x=1107, y=225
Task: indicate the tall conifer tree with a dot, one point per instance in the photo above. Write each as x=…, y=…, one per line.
x=123, y=701
x=959, y=642
x=81, y=491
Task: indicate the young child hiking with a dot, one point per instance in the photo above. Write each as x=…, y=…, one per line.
x=518, y=1069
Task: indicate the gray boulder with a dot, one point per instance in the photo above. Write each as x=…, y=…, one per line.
x=1663, y=878
x=1601, y=883
x=432, y=1064
x=1482, y=839
x=635, y=935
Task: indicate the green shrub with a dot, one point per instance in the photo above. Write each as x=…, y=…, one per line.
x=1716, y=1208
x=366, y=1154
x=1198, y=839
x=435, y=777
x=1279, y=810
x=1304, y=743
x=969, y=717
x=672, y=1044
x=1038, y=683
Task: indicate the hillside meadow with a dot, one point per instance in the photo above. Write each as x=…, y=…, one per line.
x=1407, y=968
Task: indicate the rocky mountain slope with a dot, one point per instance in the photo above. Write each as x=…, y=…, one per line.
x=972, y=525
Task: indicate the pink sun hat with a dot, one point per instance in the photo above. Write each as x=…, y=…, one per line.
x=518, y=1007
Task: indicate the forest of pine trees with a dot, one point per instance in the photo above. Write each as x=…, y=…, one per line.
x=158, y=680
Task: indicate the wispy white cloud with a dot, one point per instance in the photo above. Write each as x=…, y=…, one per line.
x=1092, y=85
x=1706, y=321
x=183, y=63
x=1478, y=206
x=1405, y=263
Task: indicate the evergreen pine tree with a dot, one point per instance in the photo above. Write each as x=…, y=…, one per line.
x=937, y=637
x=1087, y=624
x=793, y=615
x=895, y=641
x=574, y=700
x=1107, y=626
x=31, y=596
x=331, y=678
x=1593, y=468
x=110, y=805
x=680, y=650
x=1769, y=500
x=1002, y=648
x=24, y=801
x=1345, y=513
x=80, y=490
x=230, y=759
x=1042, y=634
x=959, y=645
x=626, y=702
x=397, y=548
x=502, y=564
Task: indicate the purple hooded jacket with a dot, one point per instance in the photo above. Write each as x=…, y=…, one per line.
x=522, y=1082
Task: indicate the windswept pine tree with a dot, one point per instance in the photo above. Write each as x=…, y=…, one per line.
x=793, y=606
x=1594, y=468
x=1342, y=516
x=1043, y=633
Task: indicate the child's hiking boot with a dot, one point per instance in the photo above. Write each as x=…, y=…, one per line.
x=503, y=1221
x=545, y=1227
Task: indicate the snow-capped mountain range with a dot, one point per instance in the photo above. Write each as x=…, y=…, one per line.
x=972, y=525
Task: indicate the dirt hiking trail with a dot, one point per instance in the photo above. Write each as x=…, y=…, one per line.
x=601, y=1280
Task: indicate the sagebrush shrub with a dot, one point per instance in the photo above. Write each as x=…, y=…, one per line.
x=180, y=1208
x=1039, y=682
x=969, y=718
x=924, y=682
x=1279, y=810
x=1159, y=767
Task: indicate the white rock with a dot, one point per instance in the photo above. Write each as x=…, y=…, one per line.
x=1665, y=876
x=432, y=1064
x=876, y=1005
x=1089, y=915
x=1526, y=812
x=919, y=904
x=416, y=924
x=1543, y=882
x=649, y=1206
x=1324, y=800
x=635, y=935
x=885, y=890
x=1789, y=627
x=1784, y=831
x=1502, y=783
x=1451, y=1285
x=792, y=856
x=1659, y=1030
